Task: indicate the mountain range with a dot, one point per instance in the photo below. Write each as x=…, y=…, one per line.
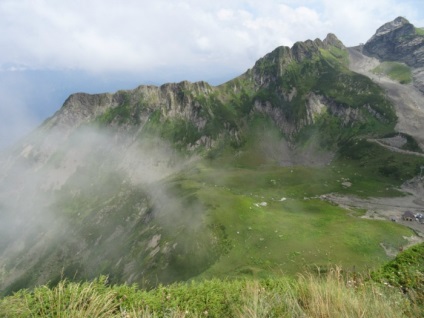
x=298, y=163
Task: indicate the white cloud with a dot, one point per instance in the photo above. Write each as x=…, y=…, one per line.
x=139, y=35
x=356, y=21
x=16, y=119
x=175, y=40
x=109, y=35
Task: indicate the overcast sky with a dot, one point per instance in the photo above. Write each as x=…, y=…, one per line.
x=51, y=48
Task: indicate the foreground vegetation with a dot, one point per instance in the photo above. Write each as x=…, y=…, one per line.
x=393, y=291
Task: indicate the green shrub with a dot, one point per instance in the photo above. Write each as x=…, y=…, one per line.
x=406, y=272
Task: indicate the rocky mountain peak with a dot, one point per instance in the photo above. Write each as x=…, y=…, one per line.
x=398, y=24
x=332, y=40
x=397, y=41
x=81, y=107
x=306, y=49
x=301, y=50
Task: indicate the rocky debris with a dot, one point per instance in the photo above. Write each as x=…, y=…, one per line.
x=346, y=184
x=315, y=106
x=407, y=99
x=397, y=41
x=154, y=242
x=418, y=78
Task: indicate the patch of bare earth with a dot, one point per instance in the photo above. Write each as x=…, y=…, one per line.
x=390, y=209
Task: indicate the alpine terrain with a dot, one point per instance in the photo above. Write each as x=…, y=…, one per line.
x=308, y=160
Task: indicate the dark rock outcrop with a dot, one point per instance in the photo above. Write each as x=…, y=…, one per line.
x=397, y=41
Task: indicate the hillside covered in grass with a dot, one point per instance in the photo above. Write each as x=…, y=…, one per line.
x=395, y=290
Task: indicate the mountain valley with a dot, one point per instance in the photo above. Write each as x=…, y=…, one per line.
x=301, y=163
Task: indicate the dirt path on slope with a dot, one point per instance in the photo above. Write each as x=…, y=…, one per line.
x=407, y=99
x=391, y=148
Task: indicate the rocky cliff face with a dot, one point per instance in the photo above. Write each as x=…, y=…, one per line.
x=278, y=60
x=397, y=41
x=171, y=99
x=280, y=85
x=309, y=81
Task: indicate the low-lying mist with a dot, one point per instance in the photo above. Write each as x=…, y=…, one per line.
x=89, y=202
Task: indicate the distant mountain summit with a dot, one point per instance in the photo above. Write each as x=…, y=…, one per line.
x=397, y=41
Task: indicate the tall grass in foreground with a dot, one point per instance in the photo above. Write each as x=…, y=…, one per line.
x=89, y=299
x=331, y=295
x=338, y=296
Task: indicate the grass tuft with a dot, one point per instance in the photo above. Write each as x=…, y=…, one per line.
x=67, y=299
x=335, y=293
x=340, y=295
